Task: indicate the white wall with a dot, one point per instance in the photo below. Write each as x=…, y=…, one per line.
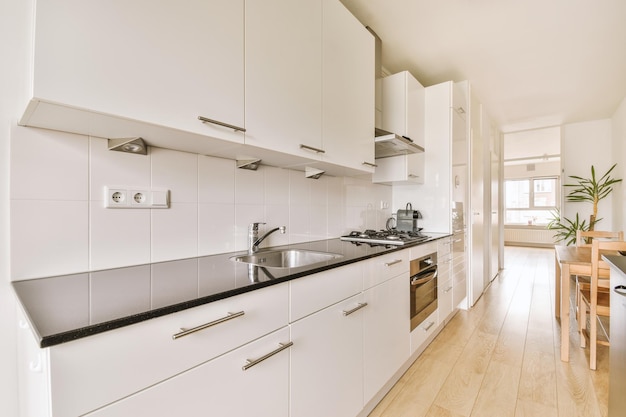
x=542, y=169
x=583, y=145
x=618, y=131
x=15, y=39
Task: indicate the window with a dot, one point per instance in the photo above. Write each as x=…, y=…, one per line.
x=530, y=201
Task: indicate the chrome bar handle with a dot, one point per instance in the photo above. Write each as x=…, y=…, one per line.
x=369, y=164
x=310, y=148
x=397, y=261
x=186, y=332
x=251, y=362
x=357, y=308
x=428, y=325
x=447, y=290
x=216, y=122
x=413, y=176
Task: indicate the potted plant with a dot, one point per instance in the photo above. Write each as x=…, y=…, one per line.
x=585, y=189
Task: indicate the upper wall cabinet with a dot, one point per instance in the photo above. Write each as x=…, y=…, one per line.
x=284, y=75
x=403, y=113
x=163, y=63
x=310, y=81
x=287, y=82
x=348, y=69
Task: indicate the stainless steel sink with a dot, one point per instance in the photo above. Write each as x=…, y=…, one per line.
x=288, y=258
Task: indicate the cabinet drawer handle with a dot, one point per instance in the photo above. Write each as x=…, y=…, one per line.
x=447, y=290
x=358, y=307
x=620, y=289
x=369, y=164
x=186, y=332
x=428, y=325
x=216, y=122
x=397, y=261
x=310, y=148
x=251, y=362
x=413, y=176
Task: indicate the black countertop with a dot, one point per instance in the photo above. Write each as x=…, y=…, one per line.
x=617, y=261
x=69, y=307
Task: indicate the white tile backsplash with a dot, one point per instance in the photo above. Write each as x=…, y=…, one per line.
x=213, y=202
x=177, y=172
x=48, y=238
x=118, y=237
x=62, y=158
x=216, y=180
x=216, y=228
x=174, y=232
x=113, y=168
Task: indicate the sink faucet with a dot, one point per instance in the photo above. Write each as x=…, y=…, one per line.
x=253, y=236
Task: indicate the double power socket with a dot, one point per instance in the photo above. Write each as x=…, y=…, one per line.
x=128, y=198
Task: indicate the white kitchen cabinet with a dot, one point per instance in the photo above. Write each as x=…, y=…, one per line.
x=347, y=89
x=327, y=361
x=401, y=169
x=94, y=371
x=220, y=387
x=403, y=114
x=444, y=279
x=459, y=270
x=284, y=75
x=159, y=63
x=304, y=94
x=422, y=334
x=386, y=332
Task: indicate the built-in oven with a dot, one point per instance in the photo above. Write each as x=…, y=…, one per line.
x=423, y=288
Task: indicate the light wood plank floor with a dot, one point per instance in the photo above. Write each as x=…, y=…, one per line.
x=501, y=358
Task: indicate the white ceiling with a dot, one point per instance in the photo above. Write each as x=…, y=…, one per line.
x=533, y=63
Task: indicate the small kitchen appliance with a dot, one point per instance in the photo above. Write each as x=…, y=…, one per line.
x=406, y=220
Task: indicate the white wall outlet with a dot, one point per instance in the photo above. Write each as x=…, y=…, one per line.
x=384, y=204
x=139, y=198
x=132, y=198
x=115, y=197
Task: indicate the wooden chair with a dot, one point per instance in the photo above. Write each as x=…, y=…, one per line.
x=584, y=238
x=595, y=296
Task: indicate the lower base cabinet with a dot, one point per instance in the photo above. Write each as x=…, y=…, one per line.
x=220, y=387
x=327, y=362
x=385, y=332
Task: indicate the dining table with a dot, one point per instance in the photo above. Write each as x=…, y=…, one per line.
x=569, y=260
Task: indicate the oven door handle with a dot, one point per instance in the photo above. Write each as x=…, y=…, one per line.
x=422, y=280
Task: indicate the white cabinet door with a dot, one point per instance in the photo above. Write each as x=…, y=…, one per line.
x=220, y=387
x=422, y=333
x=444, y=279
x=401, y=169
x=404, y=106
x=386, y=332
x=459, y=271
x=164, y=62
x=284, y=75
x=327, y=362
x=347, y=89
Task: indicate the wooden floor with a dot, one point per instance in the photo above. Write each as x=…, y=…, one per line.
x=501, y=358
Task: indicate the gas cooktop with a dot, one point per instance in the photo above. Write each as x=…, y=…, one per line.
x=385, y=237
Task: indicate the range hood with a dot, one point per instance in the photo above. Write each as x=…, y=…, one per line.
x=390, y=144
